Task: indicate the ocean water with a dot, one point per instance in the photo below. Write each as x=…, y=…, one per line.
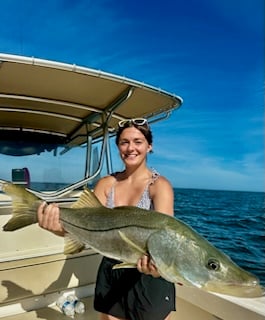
x=233, y=221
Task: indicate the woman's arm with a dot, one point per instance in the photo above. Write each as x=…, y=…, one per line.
x=162, y=195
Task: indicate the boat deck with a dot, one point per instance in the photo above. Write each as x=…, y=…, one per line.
x=195, y=307
x=53, y=312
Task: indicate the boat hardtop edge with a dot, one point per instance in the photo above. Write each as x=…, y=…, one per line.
x=61, y=103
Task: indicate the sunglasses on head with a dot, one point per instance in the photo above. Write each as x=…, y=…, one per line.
x=136, y=121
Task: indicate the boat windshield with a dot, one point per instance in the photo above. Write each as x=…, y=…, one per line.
x=53, y=170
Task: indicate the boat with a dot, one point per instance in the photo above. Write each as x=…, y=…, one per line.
x=58, y=118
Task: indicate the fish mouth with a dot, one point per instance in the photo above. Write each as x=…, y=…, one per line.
x=245, y=290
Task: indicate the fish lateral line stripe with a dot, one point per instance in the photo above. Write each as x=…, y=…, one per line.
x=106, y=229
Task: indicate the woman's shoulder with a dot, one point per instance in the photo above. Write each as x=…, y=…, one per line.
x=162, y=181
x=162, y=195
x=106, y=181
x=160, y=184
x=158, y=179
x=103, y=186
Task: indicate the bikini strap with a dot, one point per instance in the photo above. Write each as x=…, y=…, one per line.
x=155, y=176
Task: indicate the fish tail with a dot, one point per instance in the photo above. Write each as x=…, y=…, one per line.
x=24, y=204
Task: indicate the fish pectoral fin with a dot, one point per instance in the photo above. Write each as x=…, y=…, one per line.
x=87, y=199
x=72, y=245
x=124, y=265
x=131, y=243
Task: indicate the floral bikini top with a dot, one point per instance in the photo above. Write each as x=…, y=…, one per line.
x=145, y=202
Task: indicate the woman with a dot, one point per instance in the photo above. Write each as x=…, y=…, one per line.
x=135, y=294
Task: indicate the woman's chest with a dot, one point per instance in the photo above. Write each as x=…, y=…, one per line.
x=129, y=194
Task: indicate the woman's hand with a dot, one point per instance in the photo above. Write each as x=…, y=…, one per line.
x=146, y=265
x=48, y=218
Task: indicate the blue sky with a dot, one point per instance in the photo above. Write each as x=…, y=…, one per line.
x=210, y=52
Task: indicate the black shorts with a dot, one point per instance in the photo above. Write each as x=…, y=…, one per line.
x=129, y=294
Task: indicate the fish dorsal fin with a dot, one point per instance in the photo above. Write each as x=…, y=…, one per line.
x=87, y=199
x=72, y=244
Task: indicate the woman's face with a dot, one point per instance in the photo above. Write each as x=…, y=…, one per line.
x=133, y=146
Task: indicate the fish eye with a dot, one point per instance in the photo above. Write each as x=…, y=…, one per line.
x=213, y=264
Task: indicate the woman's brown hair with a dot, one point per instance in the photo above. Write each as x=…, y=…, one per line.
x=144, y=129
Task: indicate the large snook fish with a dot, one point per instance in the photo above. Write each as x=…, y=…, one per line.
x=125, y=233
